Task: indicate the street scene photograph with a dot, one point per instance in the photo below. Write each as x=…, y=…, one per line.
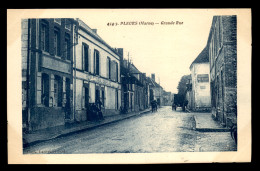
x=124, y=81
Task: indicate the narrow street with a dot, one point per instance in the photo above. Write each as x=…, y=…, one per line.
x=162, y=131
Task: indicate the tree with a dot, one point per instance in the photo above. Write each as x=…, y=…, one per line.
x=182, y=89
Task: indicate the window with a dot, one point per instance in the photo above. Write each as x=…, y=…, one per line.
x=67, y=47
x=113, y=71
x=44, y=37
x=203, y=78
x=56, y=42
x=97, y=94
x=108, y=68
x=67, y=24
x=116, y=102
x=85, y=58
x=116, y=79
x=103, y=96
x=96, y=62
x=202, y=87
x=45, y=90
x=57, y=20
x=85, y=96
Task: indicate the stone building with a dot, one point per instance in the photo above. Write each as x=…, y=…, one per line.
x=199, y=95
x=167, y=98
x=46, y=72
x=96, y=74
x=135, y=88
x=222, y=50
x=156, y=90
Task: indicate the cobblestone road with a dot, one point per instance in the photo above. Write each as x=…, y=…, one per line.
x=162, y=131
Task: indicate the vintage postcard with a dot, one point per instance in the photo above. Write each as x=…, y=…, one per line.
x=129, y=86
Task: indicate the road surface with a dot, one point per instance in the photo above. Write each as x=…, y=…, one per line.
x=162, y=131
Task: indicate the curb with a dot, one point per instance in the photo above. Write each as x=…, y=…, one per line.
x=212, y=129
x=209, y=129
x=77, y=130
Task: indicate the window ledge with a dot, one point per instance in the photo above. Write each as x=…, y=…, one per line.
x=45, y=52
x=59, y=57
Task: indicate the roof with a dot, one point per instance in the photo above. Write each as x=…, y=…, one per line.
x=92, y=33
x=203, y=57
x=153, y=83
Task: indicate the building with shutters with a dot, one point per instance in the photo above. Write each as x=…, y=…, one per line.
x=135, y=88
x=46, y=72
x=96, y=73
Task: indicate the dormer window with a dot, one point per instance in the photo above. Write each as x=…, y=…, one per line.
x=57, y=20
x=68, y=24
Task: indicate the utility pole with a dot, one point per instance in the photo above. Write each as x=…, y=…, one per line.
x=74, y=63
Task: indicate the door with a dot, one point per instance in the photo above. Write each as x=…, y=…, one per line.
x=67, y=105
x=86, y=97
x=97, y=94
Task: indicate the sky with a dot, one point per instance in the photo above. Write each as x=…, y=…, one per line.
x=166, y=50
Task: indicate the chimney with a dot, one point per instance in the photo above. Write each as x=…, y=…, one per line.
x=95, y=30
x=120, y=51
x=153, y=76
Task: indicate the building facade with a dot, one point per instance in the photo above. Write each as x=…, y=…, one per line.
x=222, y=45
x=135, y=88
x=46, y=72
x=96, y=74
x=199, y=96
x=167, y=98
x=156, y=90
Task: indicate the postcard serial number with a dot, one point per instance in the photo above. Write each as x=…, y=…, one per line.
x=134, y=23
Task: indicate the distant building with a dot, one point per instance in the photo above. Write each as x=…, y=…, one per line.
x=199, y=97
x=167, y=98
x=222, y=50
x=135, y=94
x=156, y=90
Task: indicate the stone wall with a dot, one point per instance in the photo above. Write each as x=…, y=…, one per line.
x=223, y=42
x=46, y=117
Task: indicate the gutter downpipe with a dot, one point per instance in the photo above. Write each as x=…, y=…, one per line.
x=74, y=61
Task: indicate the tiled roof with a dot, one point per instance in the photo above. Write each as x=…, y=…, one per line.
x=203, y=57
x=95, y=35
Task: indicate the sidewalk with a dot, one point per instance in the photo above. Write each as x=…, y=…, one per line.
x=59, y=131
x=205, y=123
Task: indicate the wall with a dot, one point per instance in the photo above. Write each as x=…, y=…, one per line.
x=200, y=90
x=110, y=86
x=223, y=55
x=45, y=117
x=41, y=116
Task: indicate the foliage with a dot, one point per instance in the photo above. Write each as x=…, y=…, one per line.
x=179, y=98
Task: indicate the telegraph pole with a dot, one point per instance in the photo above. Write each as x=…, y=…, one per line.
x=74, y=77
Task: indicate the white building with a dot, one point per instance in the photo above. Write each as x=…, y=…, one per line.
x=199, y=97
x=96, y=73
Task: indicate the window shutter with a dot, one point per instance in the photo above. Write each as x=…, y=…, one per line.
x=94, y=62
x=83, y=58
x=113, y=70
x=107, y=67
x=89, y=60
